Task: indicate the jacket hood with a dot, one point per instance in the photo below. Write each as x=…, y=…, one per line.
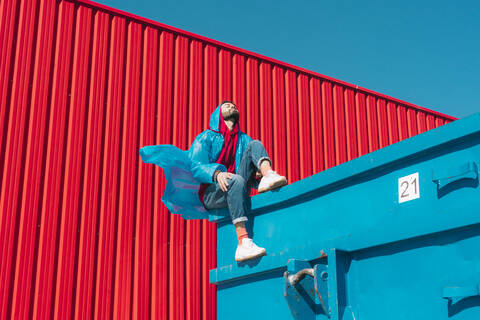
x=214, y=119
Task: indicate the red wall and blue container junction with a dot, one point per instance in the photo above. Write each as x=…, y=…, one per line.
x=83, y=232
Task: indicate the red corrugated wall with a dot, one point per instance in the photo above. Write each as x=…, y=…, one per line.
x=83, y=231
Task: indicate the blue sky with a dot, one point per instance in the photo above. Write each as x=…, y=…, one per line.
x=424, y=52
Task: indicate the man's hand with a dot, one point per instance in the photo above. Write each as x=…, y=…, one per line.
x=222, y=179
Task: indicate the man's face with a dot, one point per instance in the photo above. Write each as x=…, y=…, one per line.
x=229, y=112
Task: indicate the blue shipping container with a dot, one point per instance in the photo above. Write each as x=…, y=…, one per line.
x=394, y=234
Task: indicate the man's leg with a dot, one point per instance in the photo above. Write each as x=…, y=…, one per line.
x=235, y=199
x=255, y=159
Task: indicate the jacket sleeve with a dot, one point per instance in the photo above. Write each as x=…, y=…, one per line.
x=201, y=166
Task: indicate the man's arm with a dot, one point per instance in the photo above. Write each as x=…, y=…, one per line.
x=202, y=170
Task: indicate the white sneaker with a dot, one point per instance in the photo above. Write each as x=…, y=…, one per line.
x=248, y=250
x=271, y=181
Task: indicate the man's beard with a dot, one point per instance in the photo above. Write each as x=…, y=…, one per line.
x=232, y=117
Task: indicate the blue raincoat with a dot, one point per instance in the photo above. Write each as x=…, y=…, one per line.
x=186, y=170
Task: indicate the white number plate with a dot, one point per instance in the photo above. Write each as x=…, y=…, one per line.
x=408, y=188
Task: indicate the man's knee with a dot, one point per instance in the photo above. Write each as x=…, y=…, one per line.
x=254, y=143
x=237, y=183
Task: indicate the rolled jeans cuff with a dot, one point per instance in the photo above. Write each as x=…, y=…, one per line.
x=239, y=219
x=261, y=160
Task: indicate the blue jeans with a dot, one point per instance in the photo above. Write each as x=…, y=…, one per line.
x=237, y=196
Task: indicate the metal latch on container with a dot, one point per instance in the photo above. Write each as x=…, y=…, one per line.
x=457, y=293
x=306, y=289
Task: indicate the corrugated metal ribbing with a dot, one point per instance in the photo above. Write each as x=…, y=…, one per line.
x=83, y=231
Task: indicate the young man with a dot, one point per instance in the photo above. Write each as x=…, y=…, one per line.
x=221, y=167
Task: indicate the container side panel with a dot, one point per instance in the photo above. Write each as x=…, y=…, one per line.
x=412, y=122
x=193, y=232
x=279, y=136
x=392, y=122
x=9, y=15
x=208, y=247
x=266, y=108
x=316, y=121
x=304, y=127
x=161, y=218
x=44, y=292
x=372, y=124
x=14, y=234
x=177, y=292
x=402, y=122
x=238, y=87
x=105, y=276
x=328, y=129
x=430, y=122
x=90, y=213
x=142, y=289
x=339, y=124
x=351, y=125
x=422, y=122
x=224, y=75
x=252, y=116
x=74, y=160
x=362, y=128
x=291, y=100
x=210, y=82
x=383, y=139
x=439, y=122
x=27, y=248
x=124, y=253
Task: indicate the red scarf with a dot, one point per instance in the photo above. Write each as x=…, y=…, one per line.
x=227, y=155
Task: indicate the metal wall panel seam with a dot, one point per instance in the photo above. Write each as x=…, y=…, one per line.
x=177, y=236
x=127, y=187
x=27, y=223
x=293, y=166
x=162, y=220
x=85, y=274
x=265, y=108
x=14, y=165
x=73, y=169
x=422, y=122
x=362, y=128
x=253, y=98
x=412, y=122
x=316, y=123
x=193, y=237
x=106, y=240
x=430, y=122
x=350, y=124
x=9, y=17
x=238, y=88
x=35, y=160
x=145, y=220
x=51, y=205
x=210, y=98
x=224, y=75
x=392, y=122
x=383, y=139
x=328, y=129
x=339, y=124
x=304, y=127
x=372, y=124
x=279, y=137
